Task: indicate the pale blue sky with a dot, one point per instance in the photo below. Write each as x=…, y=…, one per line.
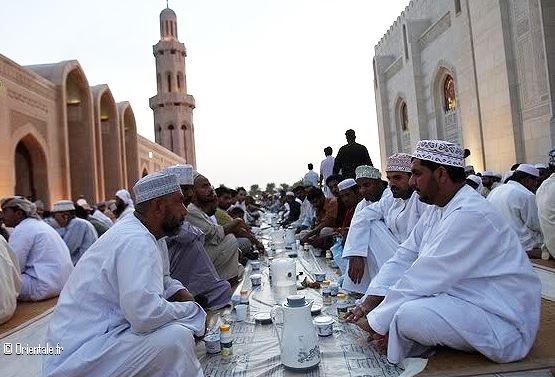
x=275, y=81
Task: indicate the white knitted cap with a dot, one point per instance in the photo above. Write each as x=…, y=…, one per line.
x=155, y=185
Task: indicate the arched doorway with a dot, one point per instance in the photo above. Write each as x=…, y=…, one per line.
x=31, y=178
x=145, y=172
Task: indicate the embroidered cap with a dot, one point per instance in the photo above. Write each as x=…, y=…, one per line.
x=488, y=173
x=552, y=157
x=184, y=173
x=399, y=162
x=346, y=183
x=441, y=152
x=367, y=171
x=155, y=185
x=289, y=193
x=63, y=205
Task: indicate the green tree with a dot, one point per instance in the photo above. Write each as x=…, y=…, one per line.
x=270, y=188
x=284, y=186
x=255, y=191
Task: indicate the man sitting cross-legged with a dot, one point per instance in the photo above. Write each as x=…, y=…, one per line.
x=189, y=262
x=219, y=241
x=460, y=280
x=118, y=314
x=43, y=256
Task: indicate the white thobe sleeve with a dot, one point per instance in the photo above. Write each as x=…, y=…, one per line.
x=21, y=245
x=433, y=271
x=530, y=214
x=171, y=286
x=358, y=236
x=139, y=272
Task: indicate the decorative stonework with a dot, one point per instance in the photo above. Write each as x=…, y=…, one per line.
x=28, y=101
x=434, y=31
x=25, y=79
x=18, y=120
x=394, y=68
x=536, y=112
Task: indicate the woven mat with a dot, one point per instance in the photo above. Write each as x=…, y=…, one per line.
x=27, y=313
x=450, y=363
x=546, y=264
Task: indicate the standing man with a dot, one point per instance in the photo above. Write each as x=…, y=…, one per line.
x=311, y=176
x=326, y=169
x=460, y=280
x=350, y=156
x=119, y=315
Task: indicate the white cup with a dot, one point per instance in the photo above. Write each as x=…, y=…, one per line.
x=241, y=311
x=256, y=279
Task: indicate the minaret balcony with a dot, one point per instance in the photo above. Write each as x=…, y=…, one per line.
x=171, y=99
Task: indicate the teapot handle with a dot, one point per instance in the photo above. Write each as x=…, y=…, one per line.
x=273, y=313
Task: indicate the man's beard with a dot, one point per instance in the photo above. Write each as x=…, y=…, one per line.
x=171, y=226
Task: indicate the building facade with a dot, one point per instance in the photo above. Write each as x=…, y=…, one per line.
x=61, y=138
x=478, y=73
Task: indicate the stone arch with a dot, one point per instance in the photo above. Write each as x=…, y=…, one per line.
x=109, y=143
x=31, y=166
x=145, y=172
x=447, y=117
x=130, y=153
x=77, y=134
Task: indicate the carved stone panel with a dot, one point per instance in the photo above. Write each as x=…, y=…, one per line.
x=18, y=120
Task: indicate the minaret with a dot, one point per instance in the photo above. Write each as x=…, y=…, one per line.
x=172, y=106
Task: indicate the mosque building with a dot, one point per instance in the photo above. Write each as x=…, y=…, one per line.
x=478, y=73
x=61, y=138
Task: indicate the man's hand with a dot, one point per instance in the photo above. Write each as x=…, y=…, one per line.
x=356, y=268
x=233, y=226
x=182, y=295
x=363, y=309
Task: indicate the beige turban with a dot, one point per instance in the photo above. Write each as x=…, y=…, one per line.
x=21, y=203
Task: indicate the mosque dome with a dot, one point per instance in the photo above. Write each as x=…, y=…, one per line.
x=167, y=14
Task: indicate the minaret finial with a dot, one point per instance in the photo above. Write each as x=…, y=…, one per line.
x=167, y=6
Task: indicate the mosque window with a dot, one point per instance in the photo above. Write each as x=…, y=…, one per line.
x=184, y=127
x=405, y=44
x=172, y=51
x=157, y=135
x=169, y=82
x=404, y=117
x=159, y=82
x=171, y=30
x=166, y=32
x=457, y=6
x=179, y=81
x=171, y=128
x=450, y=101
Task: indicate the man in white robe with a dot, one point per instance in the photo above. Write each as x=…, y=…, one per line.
x=124, y=204
x=370, y=186
x=546, y=207
x=516, y=202
x=43, y=256
x=460, y=280
x=10, y=281
x=120, y=314
x=377, y=229
x=78, y=234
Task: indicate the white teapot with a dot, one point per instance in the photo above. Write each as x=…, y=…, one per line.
x=298, y=340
